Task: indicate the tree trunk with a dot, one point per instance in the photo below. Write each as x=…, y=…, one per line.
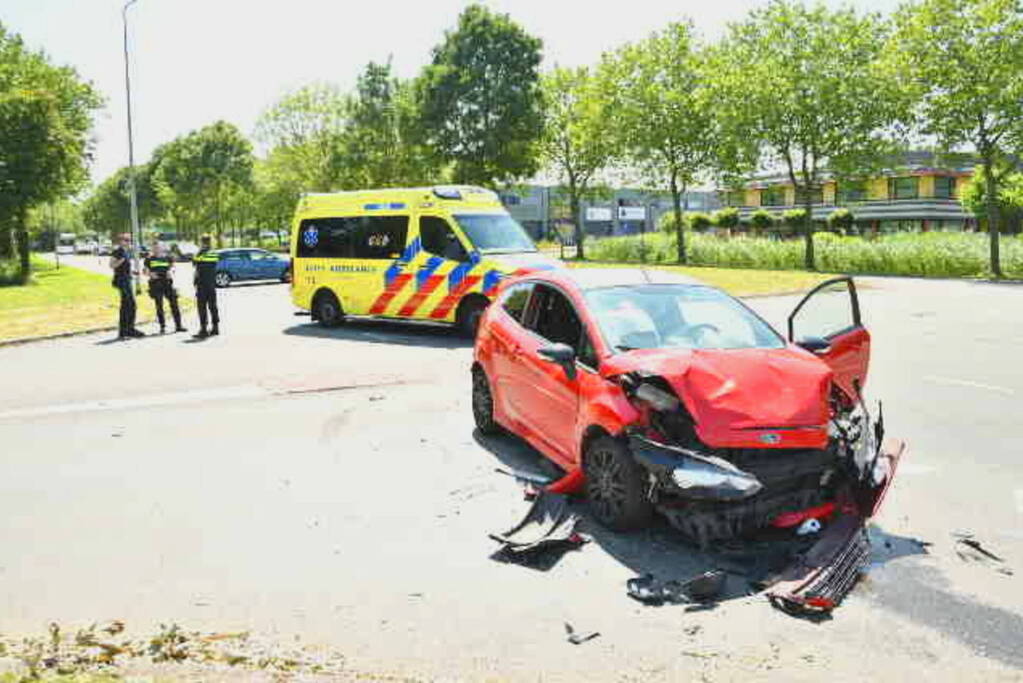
x=810, y=261
x=680, y=233
x=993, y=222
x=6, y=239
x=21, y=222
x=576, y=208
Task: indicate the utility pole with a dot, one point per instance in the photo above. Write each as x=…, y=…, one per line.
x=136, y=232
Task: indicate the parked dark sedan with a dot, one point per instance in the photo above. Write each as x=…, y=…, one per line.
x=250, y=264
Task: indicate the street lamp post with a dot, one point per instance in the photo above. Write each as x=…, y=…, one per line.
x=136, y=232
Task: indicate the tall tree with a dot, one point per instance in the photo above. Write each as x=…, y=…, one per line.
x=45, y=118
x=807, y=87
x=578, y=140
x=480, y=98
x=669, y=123
x=383, y=140
x=198, y=171
x=964, y=58
x=107, y=209
x=305, y=131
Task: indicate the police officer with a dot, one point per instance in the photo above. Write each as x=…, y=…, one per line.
x=158, y=266
x=120, y=263
x=205, y=264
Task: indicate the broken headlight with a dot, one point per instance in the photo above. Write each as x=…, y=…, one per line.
x=715, y=481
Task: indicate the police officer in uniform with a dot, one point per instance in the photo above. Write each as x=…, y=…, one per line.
x=158, y=266
x=120, y=263
x=205, y=264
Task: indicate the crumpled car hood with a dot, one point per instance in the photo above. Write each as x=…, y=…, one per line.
x=743, y=398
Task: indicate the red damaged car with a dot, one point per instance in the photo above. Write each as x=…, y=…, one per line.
x=654, y=392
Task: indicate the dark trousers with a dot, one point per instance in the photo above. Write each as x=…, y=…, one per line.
x=164, y=289
x=206, y=299
x=126, y=323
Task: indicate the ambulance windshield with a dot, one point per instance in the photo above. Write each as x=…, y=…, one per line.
x=495, y=233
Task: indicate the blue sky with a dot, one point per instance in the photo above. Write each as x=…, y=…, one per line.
x=196, y=61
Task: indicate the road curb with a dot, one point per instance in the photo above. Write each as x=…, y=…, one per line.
x=64, y=335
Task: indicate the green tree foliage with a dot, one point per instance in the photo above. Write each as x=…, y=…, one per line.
x=668, y=123
x=794, y=219
x=383, y=144
x=727, y=218
x=108, y=211
x=806, y=85
x=1010, y=196
x=578, y=141
x=964, y=60
x=761, y=221
x=840, y=220
x=698, y=221
x=306, y=131
x=197, y=173
x=480, y=99
x=46, y=113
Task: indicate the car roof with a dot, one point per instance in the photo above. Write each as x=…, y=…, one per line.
x=597, y=278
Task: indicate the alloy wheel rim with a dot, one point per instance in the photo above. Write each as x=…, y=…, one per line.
x=607, y=490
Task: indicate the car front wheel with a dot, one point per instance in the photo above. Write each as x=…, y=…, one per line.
x=222, y=279
x=615, y=485
x=327, y=310
x=483, y=403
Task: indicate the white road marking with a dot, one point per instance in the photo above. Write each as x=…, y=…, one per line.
x=967, y=383
x=245, y=391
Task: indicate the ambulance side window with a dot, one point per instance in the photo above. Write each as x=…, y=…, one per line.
x=380, y=237
x=326, y=237
x=439, y=239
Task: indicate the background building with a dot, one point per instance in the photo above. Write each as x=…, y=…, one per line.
x=543, y=209
x=918, y=195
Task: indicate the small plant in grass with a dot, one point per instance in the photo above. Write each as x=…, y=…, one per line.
x=840, y=220
x=727, y=218
x=761, y=221
x=698, y=221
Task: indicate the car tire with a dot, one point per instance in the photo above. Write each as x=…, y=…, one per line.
x=468, y=318
x=222, y=279
x=615, y=485
x=284, y=276
x=327, y=310
x=483, y=403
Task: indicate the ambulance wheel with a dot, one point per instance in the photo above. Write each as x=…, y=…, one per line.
x=469, y=313
x=222, y=279
x=327, y=310
x=483, y=403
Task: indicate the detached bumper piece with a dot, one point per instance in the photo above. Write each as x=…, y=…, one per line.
x=548, y=525
x=819, y=581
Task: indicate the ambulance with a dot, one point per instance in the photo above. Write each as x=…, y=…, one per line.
x=433, y=254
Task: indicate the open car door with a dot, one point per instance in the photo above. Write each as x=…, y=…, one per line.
x=827, y=323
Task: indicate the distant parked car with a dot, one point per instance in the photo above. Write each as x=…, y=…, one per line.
x=184, y=251
x=251, y=264
x=105, y=248
x=86, y=247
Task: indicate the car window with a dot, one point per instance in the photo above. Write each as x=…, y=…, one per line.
x=552, y=316
x=828, y=312
x=515, y=298
x=439, y=239
x=677, y=316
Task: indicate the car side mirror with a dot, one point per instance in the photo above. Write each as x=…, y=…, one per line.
x=562, y=354
x=815, y=345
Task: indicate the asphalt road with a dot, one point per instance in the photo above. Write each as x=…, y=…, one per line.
x=327, y=484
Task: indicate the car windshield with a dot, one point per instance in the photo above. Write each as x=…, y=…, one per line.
x=677, y=316
x=495, y=233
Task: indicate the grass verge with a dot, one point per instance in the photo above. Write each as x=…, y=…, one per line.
x=62, y=300
x=735, y=281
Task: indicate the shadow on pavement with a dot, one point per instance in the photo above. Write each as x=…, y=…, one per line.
x=385, y=332
x=662, y=551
